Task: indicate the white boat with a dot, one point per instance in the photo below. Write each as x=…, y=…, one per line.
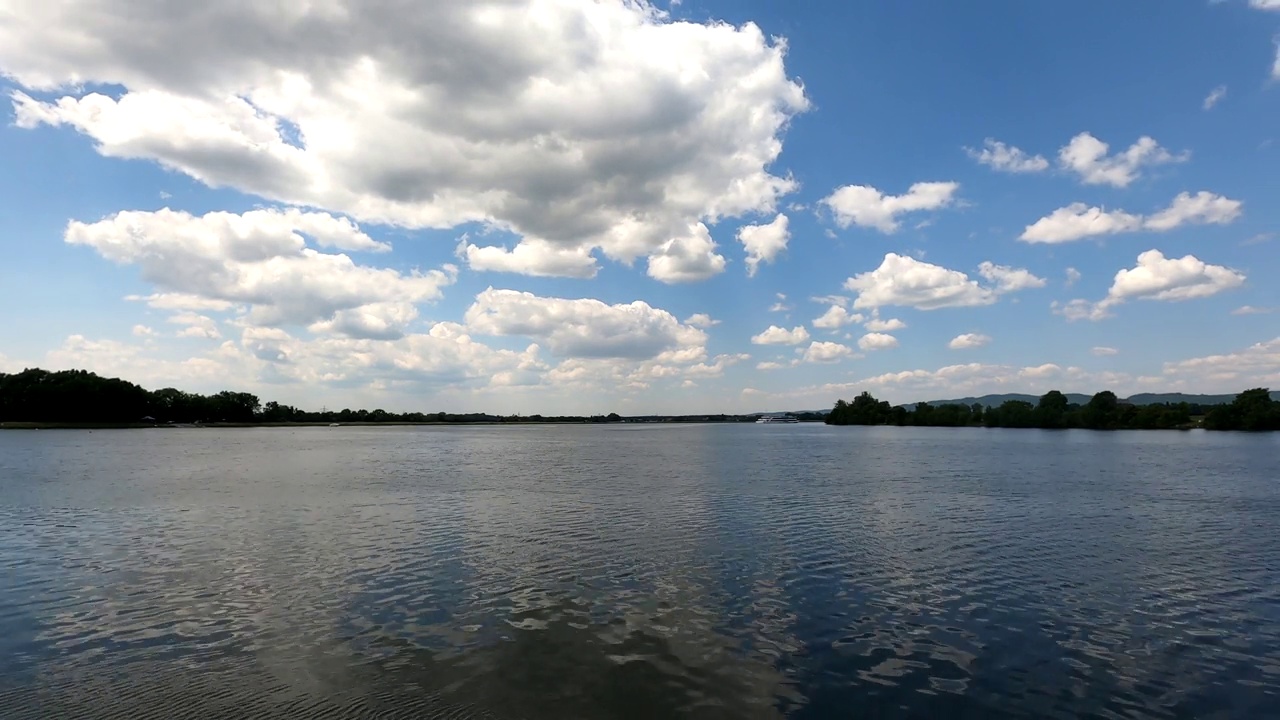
x=767, y=419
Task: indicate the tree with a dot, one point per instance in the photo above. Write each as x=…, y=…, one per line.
x=1100, y=412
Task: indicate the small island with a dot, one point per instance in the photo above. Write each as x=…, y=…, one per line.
x=1252, y=410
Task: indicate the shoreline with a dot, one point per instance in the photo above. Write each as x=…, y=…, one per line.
x=404, y=423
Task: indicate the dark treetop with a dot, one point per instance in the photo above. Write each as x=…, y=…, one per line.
x=1251, y=410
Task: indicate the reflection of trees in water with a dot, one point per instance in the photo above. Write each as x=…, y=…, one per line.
x=560, y=671
x=563, y=671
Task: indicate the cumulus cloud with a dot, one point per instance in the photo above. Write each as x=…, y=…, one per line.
x=967, y=379
x=258, y=259
x=1265, y=4
x=1009, y=279
x=1255, y=366
x=763, y=243
x=1006, y=158
x=530, y=257
x=1203, y=208
x=143, y=331
x=775, y=335
x=1156, y=277
x=969, y=341
x=181, y=301
x=877, y=341
x=905, y=281
x=1077, y=221
x=837, y=317
x=865, y=206
x=585, y=328
x=1090, y=158
x=827, y=352
x=701, y=320
x=890, y=325
x=1215, y=96
x=196, y=325
x=687, y=259
x=1159, y=278
x=583, y=125
x=1073, y=276
x=1101, y=351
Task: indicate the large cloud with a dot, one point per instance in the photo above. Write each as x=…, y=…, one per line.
x=581, y=124
x=905, y=281
x=258, y=259
x=865, y=206
x=1090, y=158
x=586, y=328
x=1078, y=220
x=763, y=243
x=1156, y=277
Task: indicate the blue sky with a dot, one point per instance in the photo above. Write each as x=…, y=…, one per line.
x=539, y=206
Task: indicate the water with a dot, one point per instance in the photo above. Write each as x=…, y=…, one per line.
x=639, y=571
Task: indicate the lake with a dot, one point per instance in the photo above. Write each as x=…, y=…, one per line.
x=659, y=571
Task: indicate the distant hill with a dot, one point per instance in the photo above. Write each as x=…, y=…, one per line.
x=1080, y=399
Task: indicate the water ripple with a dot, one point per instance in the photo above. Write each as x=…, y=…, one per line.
x=706, y=572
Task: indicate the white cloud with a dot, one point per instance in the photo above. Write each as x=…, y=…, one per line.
x=877, y=341
x=181, y=301
x=1088, y=157
x=143, y=331
x=375, y=321
x=701, y=320
x=905, y=281
x=1105, y=351
x=1200, y=209
x=1073, y=276
x=775, y=335
x=969, y=341
x=1275, y=67
x=1159, y=278
x=197, y=326
x=689, y=258
x=837, y=317
x=1265, y=4
x=772, y=365
x=1009, y=279
x=530, y=257
x=579, y=124
x=1156, y=277
x=827, y=352
x=865, y=206
x=1255, y=366
x=967, y=379
x=1078, y=221
x=890, y=325
x=1080, y=309
x=1251, y=310
x=1215, y=96
x=1007, y=158
x=256, y=259
x=763, y=243
x=585, y=328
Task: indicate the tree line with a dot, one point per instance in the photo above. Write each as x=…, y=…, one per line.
x=82, y=397
x=1251, y=410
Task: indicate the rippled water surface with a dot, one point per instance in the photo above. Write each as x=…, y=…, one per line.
x=638, y=571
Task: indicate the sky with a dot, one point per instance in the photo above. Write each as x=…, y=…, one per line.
x=562, y=206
